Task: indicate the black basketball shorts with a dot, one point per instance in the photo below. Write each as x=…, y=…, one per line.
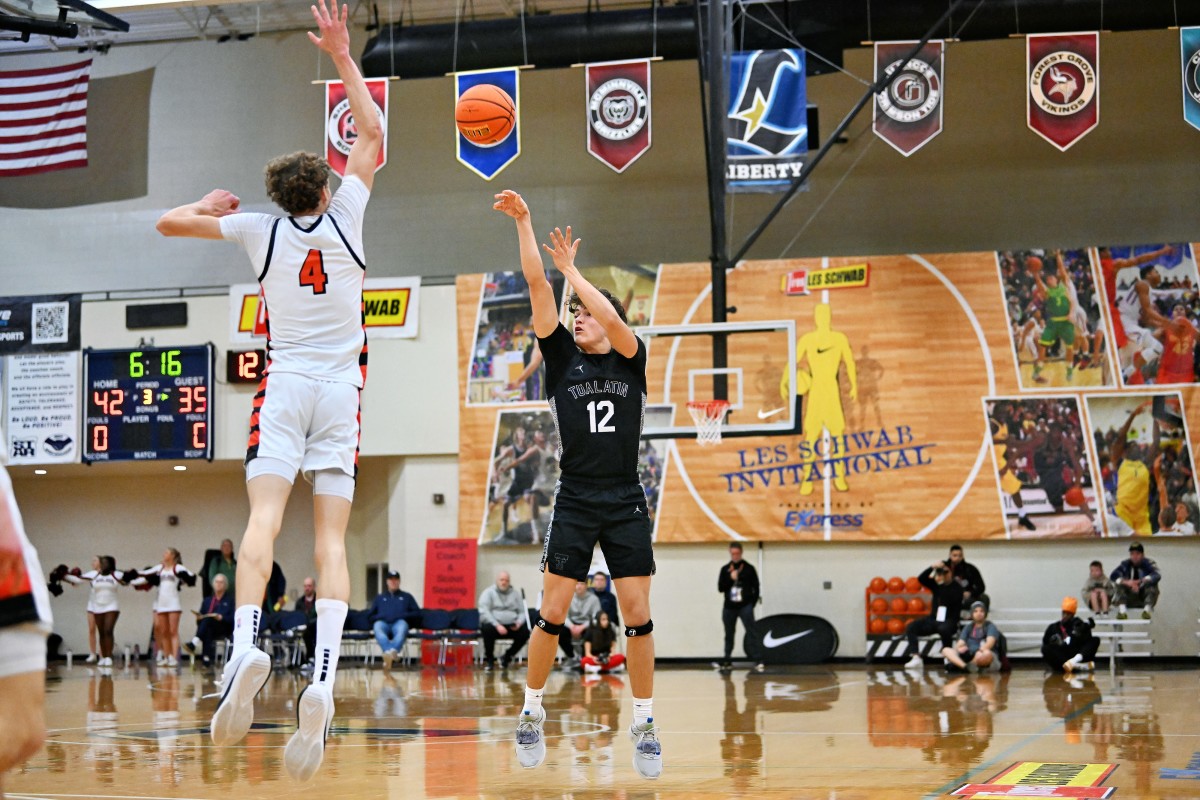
x=614, y=516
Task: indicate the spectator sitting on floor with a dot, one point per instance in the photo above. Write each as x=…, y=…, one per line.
x=598, y=643
x=976, y=645
x=392, y=613
x=502, y=615
x=944, y=611
x=584, y=608
x=1098, y=589
x=1068, y=645
x=1137, y=580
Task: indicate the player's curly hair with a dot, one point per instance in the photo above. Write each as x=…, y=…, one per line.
x=295, y=181
x=574, y=303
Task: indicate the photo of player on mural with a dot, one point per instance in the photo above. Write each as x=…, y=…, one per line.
x=505, y=364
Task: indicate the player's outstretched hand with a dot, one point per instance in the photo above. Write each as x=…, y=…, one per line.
x=512, y=204
x=220, y=203
x=334, y=38
x=564, y=249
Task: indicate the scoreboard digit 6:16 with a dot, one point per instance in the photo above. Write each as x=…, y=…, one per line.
x=148, y=403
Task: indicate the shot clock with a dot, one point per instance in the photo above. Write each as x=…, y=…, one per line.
x=245, y=366
x=148, y=403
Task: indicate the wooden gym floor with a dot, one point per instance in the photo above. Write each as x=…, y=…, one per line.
x=814, y=732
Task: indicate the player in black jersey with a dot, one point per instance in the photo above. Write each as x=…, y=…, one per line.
x=596, y=385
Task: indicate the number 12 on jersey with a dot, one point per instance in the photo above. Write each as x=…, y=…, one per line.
x=601, y=406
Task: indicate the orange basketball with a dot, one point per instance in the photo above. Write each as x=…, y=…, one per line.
x=1075, y=496
x=877, y=626
x=878, y=585
x=895, y=584
x=485, y=115
x=912, y=585
x=916, y=605
x=895, y=626
x=899, y=605
x=879, y=605
x=1033, y=264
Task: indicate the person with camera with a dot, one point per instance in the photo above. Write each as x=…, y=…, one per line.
x=738, y=582
x=944, y=610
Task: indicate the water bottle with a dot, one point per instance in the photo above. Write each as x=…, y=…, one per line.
x=70, y=658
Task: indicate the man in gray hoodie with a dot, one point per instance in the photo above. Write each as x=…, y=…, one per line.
x=585, y=606
x=502, y=615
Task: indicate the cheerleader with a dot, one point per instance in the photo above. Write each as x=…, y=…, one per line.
x=102, y=605
x=168, y=576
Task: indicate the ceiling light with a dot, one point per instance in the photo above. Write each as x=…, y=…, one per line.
x=39, y=472
x=180, y=468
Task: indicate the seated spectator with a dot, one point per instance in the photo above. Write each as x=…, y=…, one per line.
x=976, y=645
x=598, y=643
x=392, y=613
x=584, y=608
x=944, y=611
x=608, y=600
x=307, y=603
x=1136, y=580
x=967, y=576
x=1068, y=645
x=1098, y=589
x=214, y=621
x=502, y=615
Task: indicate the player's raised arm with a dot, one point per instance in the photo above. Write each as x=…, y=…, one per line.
x=563, y=253
x=201, y=219
x=335, y=40
x=541, y=295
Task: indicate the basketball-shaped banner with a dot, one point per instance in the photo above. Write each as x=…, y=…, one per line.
x=487, y=120
x=340, y=130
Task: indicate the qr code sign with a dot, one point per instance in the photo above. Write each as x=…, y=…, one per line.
x=50, y=322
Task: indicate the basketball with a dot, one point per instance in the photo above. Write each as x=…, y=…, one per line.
x=916, y=605
x=485, y=115
x=899, y=605
x=895, y=626
x=912, y=585
x=1075, y=496
x=895, y=584
x=877, y=626
x=879, y=605
x=1033, y=264
x=878, y=585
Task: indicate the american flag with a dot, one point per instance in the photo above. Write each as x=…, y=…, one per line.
x=43, y=119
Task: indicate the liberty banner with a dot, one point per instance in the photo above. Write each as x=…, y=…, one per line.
x=1189, y=43
x=909, y=113
x=1063, y=75
x=767, y=123
x=340, y=131
x=618, y=103
x=487, y=114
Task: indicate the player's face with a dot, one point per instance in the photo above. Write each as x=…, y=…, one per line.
x=1178, y=312
x=1153, y=277
x=1181, y=513
x=1052, y=280
x=589, y=334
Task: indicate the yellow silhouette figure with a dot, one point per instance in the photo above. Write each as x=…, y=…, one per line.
x=825, y=350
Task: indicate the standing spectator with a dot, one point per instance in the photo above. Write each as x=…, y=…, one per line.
x=222, y=563
x=967, y=576
x=1098, y=589
x=598, y=643
x=976, y=645
x=1137, y=582
x=307, y=603
x=608, y=600
x=168, y=576
x=1068, y=645
x=944, y=611
x=738, y=582
x=584, y=609
x=502, y=615
x=392, y=613
x=214, y=620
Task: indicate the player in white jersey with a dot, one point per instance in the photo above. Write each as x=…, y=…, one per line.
x=24, y=623
x=311, y=267
x=1139, y=317
x=103, y=607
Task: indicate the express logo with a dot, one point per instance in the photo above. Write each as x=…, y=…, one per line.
x=618, y=109
x=1063, y=83
x=342, y=130
x=914, y=94
x=798, y=520
x=1191, y=76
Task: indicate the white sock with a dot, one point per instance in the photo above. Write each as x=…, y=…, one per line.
x=245, y=629
x=533, y=699
x=1121, y=609
x=1076, y=659
x=643, y=709
x=331, y=618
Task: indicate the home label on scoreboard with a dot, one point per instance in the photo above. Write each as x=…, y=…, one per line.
x=148, y=403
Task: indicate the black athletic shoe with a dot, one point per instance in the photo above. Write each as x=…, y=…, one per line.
x=1026, y=524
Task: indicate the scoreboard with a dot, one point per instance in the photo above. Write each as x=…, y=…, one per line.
x=148, y=403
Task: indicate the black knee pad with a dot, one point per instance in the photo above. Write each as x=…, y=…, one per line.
x=549, y=627
x=640, y=630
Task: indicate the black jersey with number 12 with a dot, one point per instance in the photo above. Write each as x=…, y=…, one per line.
x=598, y=402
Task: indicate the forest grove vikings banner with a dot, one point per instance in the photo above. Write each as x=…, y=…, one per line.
x=909, y=113
x=618, y=103
x=1189, y=41
x=1063, y=74
x=340, y=131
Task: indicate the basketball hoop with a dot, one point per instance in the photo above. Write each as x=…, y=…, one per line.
x=708, y=416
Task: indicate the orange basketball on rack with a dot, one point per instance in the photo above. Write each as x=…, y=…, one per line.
x=895, y=584
x=879, y=605
x=877, y=626
x=878, y=585
x=899, y=605
x=916, y=605
x=485, y=114
x=895, y=626
x=912, y=585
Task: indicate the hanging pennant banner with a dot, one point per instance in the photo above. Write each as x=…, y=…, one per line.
x=767, y=121
x=340, y=131
x=1063, y=72
x=618, y=103
x=909, y=113
x=488, y=118
x=1189, y=40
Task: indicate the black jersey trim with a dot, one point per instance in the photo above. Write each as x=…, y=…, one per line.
x=342, y=236
x=310, y=228
x=270, y=250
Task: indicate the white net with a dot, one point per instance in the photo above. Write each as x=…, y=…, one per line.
x=708, y=416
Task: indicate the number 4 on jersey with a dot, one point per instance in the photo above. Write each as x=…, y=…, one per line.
x=312, y=272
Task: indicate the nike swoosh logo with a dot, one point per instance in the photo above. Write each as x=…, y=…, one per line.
x=826, y=350
x=770, y=641
x=768, y=414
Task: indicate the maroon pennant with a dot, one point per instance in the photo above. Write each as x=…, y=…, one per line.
x=1063, y=73
x=618, y=103
x=909, y=112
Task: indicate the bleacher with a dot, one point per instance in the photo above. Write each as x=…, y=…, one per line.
x=1023, y=629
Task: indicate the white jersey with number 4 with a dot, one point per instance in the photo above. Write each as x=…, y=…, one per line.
x=311, y=270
